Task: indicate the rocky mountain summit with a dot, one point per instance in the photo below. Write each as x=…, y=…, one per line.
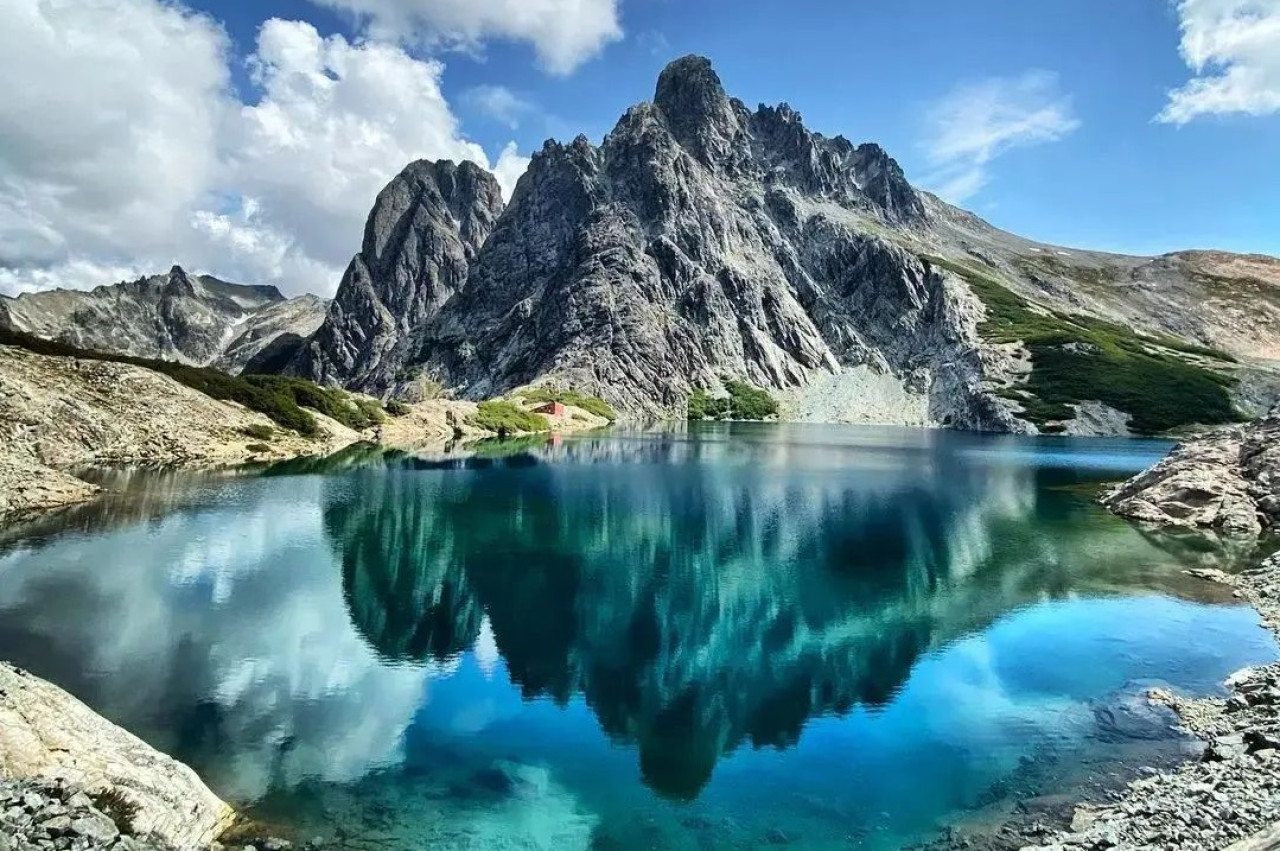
x=195, y=319
x=703, y=240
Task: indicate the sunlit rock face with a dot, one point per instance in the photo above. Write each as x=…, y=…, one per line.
x=420, y=240
x=699, y=239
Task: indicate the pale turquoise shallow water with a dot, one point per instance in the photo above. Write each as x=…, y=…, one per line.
x=736, y=637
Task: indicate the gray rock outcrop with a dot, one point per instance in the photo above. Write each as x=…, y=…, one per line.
x=425, y=230
x=47, y=735
x=195, y=319
x=1228, y=479
x=700, y=240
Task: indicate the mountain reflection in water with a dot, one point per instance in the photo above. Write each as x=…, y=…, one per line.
x=698, y=591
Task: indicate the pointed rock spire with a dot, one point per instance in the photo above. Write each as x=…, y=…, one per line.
x=696, y=108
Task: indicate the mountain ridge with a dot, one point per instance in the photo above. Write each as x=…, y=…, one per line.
x=200, y=320
x=702, y=241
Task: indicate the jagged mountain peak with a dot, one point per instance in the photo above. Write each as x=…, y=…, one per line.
x=424, y=190
x=696, y=108
x=424, y=231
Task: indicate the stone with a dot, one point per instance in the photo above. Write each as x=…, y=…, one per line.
x=95, y=827
x=1223, y=480
x=48, y=735
x=56, y=825
x=1258, y=740
x=1224, y=748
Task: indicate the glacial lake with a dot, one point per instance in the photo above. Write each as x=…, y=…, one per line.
x=725, y=637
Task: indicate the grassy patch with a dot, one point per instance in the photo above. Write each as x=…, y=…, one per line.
x=1080, y=358
x=503, y=417
x=590, y=404
x=744, y=402
x=396, y=408
x=258, y=432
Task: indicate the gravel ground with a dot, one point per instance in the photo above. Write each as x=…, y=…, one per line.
x=58, y=817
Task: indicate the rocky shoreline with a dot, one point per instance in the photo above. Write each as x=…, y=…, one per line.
x=1230, y=799
x=1225, y=799
x=73, y=768
x=63, y=414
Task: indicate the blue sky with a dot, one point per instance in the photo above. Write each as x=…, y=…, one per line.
x=1139, y=126
x=870, y=70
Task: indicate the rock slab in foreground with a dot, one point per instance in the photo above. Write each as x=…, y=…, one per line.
x=50, y=738
x=1228, y=479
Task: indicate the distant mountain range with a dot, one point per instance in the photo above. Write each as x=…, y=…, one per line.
x=703, y=241
x=195, y=319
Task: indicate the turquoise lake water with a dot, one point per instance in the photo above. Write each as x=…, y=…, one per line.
x=733, y=636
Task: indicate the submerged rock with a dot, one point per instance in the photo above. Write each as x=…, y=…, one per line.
x=1230, y=799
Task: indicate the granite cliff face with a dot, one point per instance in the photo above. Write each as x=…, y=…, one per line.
x=702, y=240
x=425, y=230
x=194, y=319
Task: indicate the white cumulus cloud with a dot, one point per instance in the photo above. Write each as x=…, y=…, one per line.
x=1233, y=50
x=108, y=125
x=509, y=168
x=125, y=150
x=564, y=33
x=977, y=122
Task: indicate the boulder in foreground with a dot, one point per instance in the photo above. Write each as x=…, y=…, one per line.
x=46, y=735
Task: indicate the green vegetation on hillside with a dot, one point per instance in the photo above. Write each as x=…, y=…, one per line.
x=744, y=402
x=590, y=404
x=396, y=408
x=280, y=398
x=503, y=418
x=1080, y=358
x=352, y=412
